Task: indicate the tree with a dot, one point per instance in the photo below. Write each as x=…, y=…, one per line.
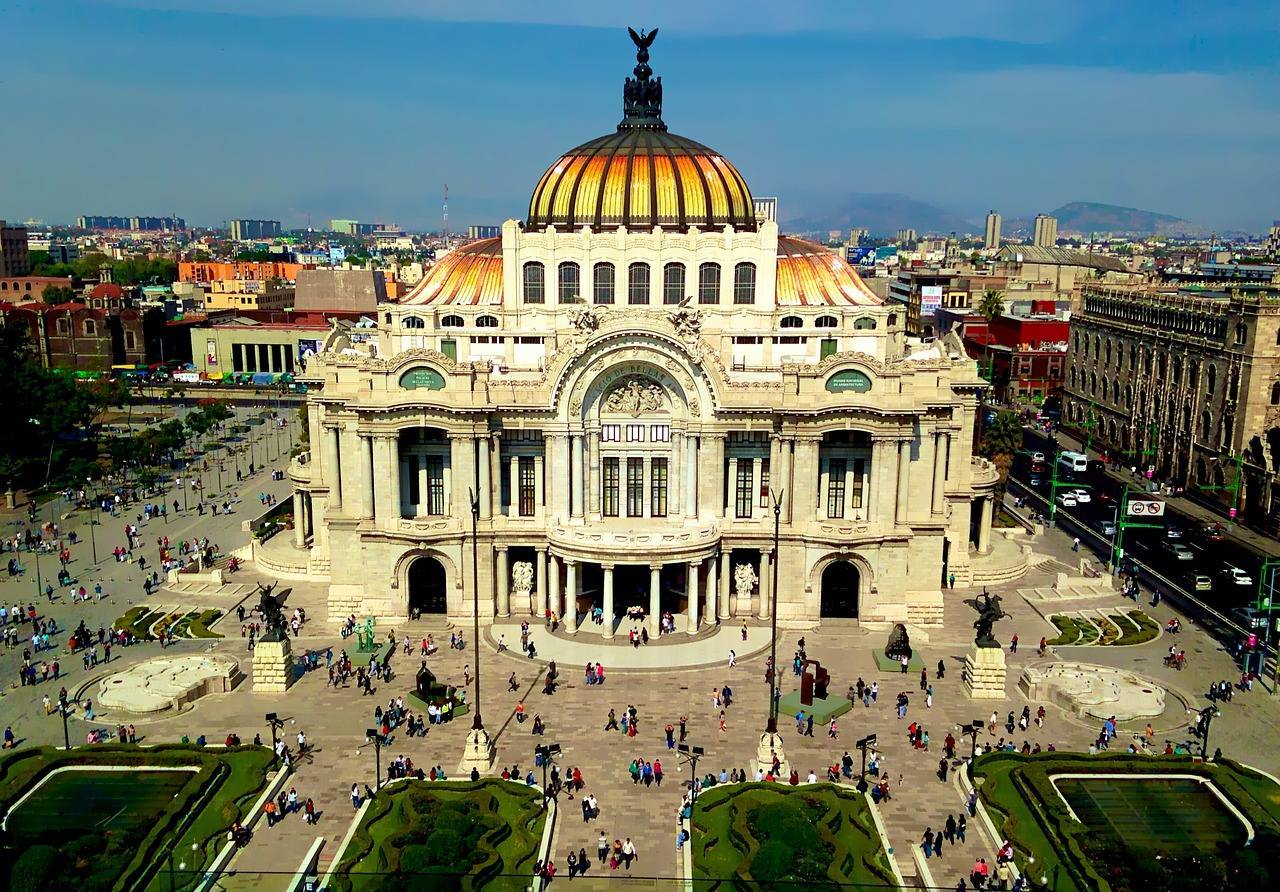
x=991, y=306
x=1000, y=441
x=57, y=294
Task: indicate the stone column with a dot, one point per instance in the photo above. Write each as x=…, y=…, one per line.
x=766, y=582
x=575, y=474
x=709, y=470
x=655, y=599
x=367, y=506
x=308, y=508
x=873, y=480
x=675, y=477
x=484, y=478
x=541, y=581
x=608, y=600
x=461, y=475
x=570, y=611
x=503, y=583
x=332, y=467
x=726, y=584
x=785, y=481
x=691, y=594
x=539, y=489
x=904, y=481
x=984, y=526
x=390, y=472
x=299, y=521
x=804, y=480
x=552, y=600
x=939, y=471
x=824, y=484
x=495, y=474
x=712, y=591
x=690, y=476
x=593, y=475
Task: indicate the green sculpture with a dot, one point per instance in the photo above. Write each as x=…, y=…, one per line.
x=365, y=637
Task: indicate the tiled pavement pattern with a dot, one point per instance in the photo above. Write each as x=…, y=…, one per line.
x=335, y=720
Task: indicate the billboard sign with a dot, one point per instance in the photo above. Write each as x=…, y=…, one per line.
x=930, y=298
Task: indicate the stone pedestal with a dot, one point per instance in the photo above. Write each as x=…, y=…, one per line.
x=984, y=673
x=272, y=667
x=479, y=754
x=771, y=744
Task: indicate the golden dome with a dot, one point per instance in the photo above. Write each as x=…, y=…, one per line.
x=641, y=178
x=470, y=274
x=811, y=276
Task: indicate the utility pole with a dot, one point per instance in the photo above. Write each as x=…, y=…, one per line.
x=1264, y=607
x=1122, y=524
x=1233, y=488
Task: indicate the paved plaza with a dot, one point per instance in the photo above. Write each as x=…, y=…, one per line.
x=649, y=678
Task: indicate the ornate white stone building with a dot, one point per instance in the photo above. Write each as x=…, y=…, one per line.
x=628, y=381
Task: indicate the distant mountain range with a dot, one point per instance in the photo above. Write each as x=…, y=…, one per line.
x=884, y=214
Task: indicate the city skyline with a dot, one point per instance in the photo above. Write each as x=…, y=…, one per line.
x=367, y=115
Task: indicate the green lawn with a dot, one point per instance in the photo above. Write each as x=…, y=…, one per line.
x=425, y=835
x=762, y=833
x=95, y=831
x=1127, y=823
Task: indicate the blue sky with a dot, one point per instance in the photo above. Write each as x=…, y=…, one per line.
x=331, y=108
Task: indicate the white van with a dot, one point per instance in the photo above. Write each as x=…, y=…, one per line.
x=1073, y=461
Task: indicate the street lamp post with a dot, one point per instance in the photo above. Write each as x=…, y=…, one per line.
x=375, y=737
x=477, y=724
x=276, y=723
x=63, y=707
x=1207, y=715
x=864, y=744
x=691, y=755
x=545, y=752
x=972, y=729
x=772, y=727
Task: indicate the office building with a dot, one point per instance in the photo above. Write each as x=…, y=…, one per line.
x=353, y=227
x=906, y=236
x=1046, y=231
x=991, y=238
x=247, y=230
x=474, y=231
x=15, y=257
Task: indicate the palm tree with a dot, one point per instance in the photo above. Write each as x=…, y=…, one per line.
x=992, y=304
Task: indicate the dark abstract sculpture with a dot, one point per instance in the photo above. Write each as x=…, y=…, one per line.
x=899, y=645
x=989, y=612
x=814, y=682
x=271, y=609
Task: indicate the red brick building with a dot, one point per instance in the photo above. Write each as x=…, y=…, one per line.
x=18, y=289
x=79, y=337
x=1024, y=356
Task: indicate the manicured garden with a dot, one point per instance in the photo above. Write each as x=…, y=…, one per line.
x=1134, y=832
x=748, y=835
x=145, y=622
x=93, y=828
x=1113, y=630
x=428, y=835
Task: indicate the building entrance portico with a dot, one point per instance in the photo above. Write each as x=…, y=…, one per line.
x=427, y=586
x=840, y=584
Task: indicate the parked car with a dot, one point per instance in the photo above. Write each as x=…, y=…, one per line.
x=1235, y=576
x=1066, y=499
x=1106, y=527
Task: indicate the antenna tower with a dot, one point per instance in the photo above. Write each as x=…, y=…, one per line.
x=446, y=210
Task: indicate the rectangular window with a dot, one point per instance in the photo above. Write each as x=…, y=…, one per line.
x=635, y=433
x=435, y=485
x=237, y=358
x=527, y=508
x=744, y=283
x=635, y=487
x=764, y=483
x=859, y=482
x=250, y=358
x=611, y=433
x=638, y=283
x=449, y=347
x=288, y=360
x=660, y=433
x=609, y=488
x=658, y=499
x=835, y=487
x=673, y=283
x=709, y=283
x=742, y=488
x=569, y=284
x=827, y=348
x=411, y=468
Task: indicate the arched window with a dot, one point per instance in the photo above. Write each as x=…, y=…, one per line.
x=535, y=283
x=62, y=326
x=1104, y=390
x=90, y=328
x=569, y=283
x=1177, y=371
x=638, y=283
x=414, y=322
x=1133, y=357
x=487, y=322
x=1107, y=348
x=744, y=283
x=1211, y=382
x=1093, y=384
x=451, y=322
x=832, y=322
x=1228, y=429
x=1073, y=377
x=791, y=322
x=673, y=283
x=866, y=323
x=602, y=283
x=1242, y=333
x=1206, y=426
x=709, y=283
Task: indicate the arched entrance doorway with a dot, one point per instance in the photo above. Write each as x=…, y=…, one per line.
x=427, y=587
x=840, y=590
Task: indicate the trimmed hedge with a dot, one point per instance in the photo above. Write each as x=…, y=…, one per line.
x=748, y=834
x=225, y=787
x=1016, y=789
